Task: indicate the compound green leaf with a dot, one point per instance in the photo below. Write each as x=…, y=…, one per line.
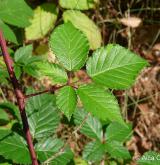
x=94, y=151
x=23, y=54
x=118, y=132
x=91, y=126
x=31, y=68
x=13, y=146
x=54, y=71
x=8, y=32
x=43, y=21
x=149, y=158
x=66, y=101
x=42, y=115
x=23, y=58
x=15, y=12
x=70, y=46
x=117, y=150
x=47, y=148
x=100, y=103
x=114, y=66
x=86, y=25
x=78, y=4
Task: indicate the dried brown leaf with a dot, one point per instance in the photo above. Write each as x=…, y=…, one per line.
x=133, y=22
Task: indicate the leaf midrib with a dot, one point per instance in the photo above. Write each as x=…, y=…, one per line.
x=114, y=68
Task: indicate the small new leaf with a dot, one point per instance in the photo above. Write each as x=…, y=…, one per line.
x=66, y=101
x=23, y=54
x=53, y=71
x=70, y=46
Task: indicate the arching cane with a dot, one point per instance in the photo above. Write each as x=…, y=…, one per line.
x=20, y=98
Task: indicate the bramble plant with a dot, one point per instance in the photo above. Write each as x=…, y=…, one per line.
x=91, y=106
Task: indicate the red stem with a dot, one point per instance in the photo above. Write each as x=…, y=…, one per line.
x=51, y=90
x=38, y=93
x=20, y=98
